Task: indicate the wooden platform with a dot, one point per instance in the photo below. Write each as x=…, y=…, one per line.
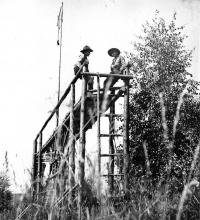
x=91, y=117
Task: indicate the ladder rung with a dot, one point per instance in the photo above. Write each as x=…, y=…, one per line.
x=102, y=89
x=112, y=174
x=112, y=95
x=112, y=115
x=115, y=88
x=111, y=135
x=95, y=90
x=111, y=155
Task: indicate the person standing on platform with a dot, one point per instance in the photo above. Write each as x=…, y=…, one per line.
x=118, y=66
x=118, y=63
x=83, y=64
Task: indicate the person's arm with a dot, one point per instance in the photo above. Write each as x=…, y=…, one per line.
x=114, y=65
x=80, y=63
x=86, y=67
x=123, y=64
x=81, y=59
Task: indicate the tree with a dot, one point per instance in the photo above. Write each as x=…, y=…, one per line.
x=5, y=193
x=168, y=134
x=164, y=119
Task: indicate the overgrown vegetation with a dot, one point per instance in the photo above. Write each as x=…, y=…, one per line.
x=164, y=128
x=6, y=205
x=164, y=140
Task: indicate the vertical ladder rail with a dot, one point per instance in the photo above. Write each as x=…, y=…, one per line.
x=126, y=134
x=71, y=146
x=34, y=171
x=112, y=155
x=98, y=137
x=111, y=146
x=39, y=171
x=81, y=162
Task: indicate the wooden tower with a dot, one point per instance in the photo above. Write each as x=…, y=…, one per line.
x=73, y=128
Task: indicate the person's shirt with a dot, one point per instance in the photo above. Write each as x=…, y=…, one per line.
x=82, y=60
x=118, y=64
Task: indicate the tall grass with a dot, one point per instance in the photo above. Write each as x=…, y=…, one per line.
x=143, y=201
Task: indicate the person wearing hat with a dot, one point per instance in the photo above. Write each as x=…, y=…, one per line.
x=83, y=64
x=117, y=66
x=118, y=62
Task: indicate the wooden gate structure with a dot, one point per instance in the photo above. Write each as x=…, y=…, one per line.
x=83, y=114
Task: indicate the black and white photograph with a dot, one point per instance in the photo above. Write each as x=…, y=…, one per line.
x=100, y=110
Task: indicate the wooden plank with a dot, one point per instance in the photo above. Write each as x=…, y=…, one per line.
x=120, y=76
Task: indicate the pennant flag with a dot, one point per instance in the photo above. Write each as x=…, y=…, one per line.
x=59, y=23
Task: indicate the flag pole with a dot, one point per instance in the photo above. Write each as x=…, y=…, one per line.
x=59, y=42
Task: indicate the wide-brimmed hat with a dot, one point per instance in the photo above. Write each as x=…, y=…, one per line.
x=110, y=52
x=86, y=48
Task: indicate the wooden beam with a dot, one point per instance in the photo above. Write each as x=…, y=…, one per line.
x=81, y=160
x=71, y=146
x=120, y=76
x=39, y=171
x=34, y=169
x=68, y=90
x=59, y=103
x=98, y=139
x=126, y=135
x=111, y=145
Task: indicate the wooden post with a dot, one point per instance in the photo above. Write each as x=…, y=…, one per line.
x=81, y=163
x=34, y=169
x=111, y=146
x=126, y=135
x=98, y=139
x=39, y=166
x=71, y=146
x=60, y=21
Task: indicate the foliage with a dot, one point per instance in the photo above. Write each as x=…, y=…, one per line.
x=160, y=68
x=5, y=193
x=164, y=121
x=160, y=58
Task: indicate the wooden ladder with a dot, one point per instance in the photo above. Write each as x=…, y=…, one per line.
x=114, y=176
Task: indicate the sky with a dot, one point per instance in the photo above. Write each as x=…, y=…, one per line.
x=29, y=58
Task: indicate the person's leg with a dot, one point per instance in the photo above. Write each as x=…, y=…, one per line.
x=109, y=82
x=113, y=80
x=90, y=82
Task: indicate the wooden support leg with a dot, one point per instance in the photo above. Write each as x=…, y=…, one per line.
x=34, y=171
x=71, y=147
x=81, y=163
x=39, y=171
x=111, y=146
x=126, y=135
x=98, y=139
